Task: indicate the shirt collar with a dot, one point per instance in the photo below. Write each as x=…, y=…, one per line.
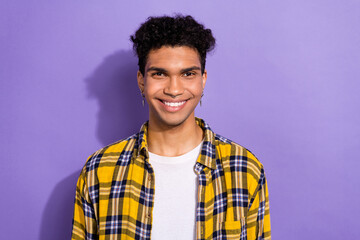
x=142, y=141
x=208, y=151
x=207, y=155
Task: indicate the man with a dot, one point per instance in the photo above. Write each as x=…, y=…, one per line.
x=175, y=179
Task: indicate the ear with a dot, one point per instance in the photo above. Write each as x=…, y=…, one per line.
x=140, y=81
x=204, y=78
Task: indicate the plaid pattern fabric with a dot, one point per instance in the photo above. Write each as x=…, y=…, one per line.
x=115, y=192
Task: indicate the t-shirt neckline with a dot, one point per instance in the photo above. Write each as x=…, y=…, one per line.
x=177, y=159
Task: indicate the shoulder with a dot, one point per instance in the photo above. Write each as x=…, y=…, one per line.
x=237, y=157
x=112, y=154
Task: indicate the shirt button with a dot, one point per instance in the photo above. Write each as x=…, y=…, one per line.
x=148, y=215
x=149, y=178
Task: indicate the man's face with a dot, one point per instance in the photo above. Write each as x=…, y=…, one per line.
x=172, y=85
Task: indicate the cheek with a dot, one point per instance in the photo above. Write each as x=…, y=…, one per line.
x=150, y=88
x=197, y=89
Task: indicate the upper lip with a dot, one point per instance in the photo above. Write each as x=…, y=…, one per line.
x=172, y=100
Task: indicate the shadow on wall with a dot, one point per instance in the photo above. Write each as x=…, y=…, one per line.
x=57, y=216
x=114, y=85
x=121, y=114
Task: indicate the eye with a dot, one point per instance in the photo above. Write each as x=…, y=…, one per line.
x=158, y=74
x=189, y=74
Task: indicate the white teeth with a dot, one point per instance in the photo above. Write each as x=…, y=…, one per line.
x=174, y=104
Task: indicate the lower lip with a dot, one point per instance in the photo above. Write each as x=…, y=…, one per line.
x=173, y=109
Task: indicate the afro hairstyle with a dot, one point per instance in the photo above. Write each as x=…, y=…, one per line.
x=171, y=31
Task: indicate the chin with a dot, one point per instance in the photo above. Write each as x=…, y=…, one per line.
x=172, y=121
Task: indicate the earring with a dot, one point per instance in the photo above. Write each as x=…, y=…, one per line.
x=143, y=99
x=201, y=99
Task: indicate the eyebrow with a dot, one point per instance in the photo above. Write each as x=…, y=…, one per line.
x=157, y=69
x=190, y=69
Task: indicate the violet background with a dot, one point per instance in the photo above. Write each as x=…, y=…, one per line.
x=283, y=82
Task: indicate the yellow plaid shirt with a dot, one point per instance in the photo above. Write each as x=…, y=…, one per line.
x=115, y=192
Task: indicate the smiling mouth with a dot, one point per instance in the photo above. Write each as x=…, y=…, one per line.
x=174, y=104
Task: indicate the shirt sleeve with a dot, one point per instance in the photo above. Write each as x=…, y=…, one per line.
x=84, y=225
x=258, y=219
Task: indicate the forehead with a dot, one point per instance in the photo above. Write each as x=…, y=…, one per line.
x=173, y=57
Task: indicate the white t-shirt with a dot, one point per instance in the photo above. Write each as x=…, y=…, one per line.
x=175, y=196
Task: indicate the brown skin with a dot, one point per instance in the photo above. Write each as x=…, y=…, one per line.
x=172, y=74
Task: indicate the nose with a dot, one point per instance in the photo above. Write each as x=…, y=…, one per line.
x=174, y=87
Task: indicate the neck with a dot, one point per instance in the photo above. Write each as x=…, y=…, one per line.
x=174, y=141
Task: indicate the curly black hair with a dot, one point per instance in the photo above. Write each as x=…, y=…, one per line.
x=171, y=31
